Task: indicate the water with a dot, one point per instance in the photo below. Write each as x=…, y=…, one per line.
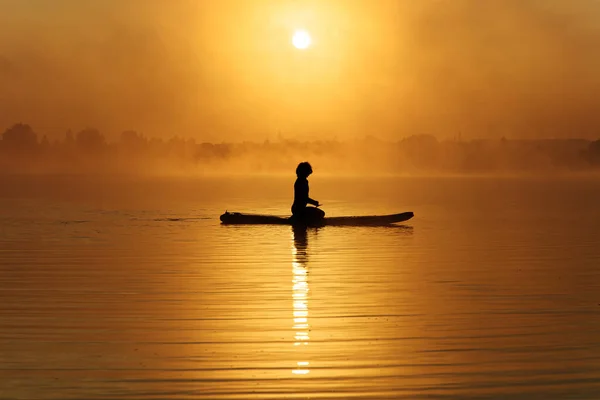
x=115, y=288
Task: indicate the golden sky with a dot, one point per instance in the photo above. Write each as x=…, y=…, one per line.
x=227, y=69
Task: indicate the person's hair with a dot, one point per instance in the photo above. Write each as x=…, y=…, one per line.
x=303, y=170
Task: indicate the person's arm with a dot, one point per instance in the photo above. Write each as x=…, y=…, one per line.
x=301, y=189
x=308, y=199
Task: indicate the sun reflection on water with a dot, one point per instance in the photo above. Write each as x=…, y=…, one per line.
x=300, y=291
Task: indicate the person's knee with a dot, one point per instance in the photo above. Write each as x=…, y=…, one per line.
x=316, y=213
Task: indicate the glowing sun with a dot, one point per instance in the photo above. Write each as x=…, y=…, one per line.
x=301, y=39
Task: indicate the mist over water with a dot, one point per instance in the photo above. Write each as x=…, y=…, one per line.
x=88, y=152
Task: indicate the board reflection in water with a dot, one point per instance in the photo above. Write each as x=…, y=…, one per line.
x=300, y=295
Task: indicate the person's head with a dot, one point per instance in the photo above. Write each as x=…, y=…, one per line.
x=303, y=170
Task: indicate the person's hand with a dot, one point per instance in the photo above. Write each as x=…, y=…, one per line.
x=317, y=203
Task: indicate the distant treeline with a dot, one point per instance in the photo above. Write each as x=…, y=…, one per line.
x=87, y=151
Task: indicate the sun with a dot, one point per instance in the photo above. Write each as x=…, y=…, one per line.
x=301, y=39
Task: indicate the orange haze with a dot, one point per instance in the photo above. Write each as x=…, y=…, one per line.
x=226, y=70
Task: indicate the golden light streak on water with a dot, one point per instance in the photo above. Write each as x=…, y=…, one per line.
x=300, y=291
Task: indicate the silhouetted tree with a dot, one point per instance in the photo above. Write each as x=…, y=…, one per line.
x=90, y=141
x=421, y=150
x=133, y=142
x=45, y=145
x=69, y=139
x=20, y=137
x=594, y=152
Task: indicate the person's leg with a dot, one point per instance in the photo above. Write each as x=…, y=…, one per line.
x=314, y=214
x=298, y=214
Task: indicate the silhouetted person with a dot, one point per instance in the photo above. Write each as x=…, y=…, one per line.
x=300, y=211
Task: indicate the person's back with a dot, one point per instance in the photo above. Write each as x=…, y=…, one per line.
x=301, y=198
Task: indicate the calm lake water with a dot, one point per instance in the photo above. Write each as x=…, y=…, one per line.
x=131, y=289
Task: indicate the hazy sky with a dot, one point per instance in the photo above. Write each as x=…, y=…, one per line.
x=227, y=69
